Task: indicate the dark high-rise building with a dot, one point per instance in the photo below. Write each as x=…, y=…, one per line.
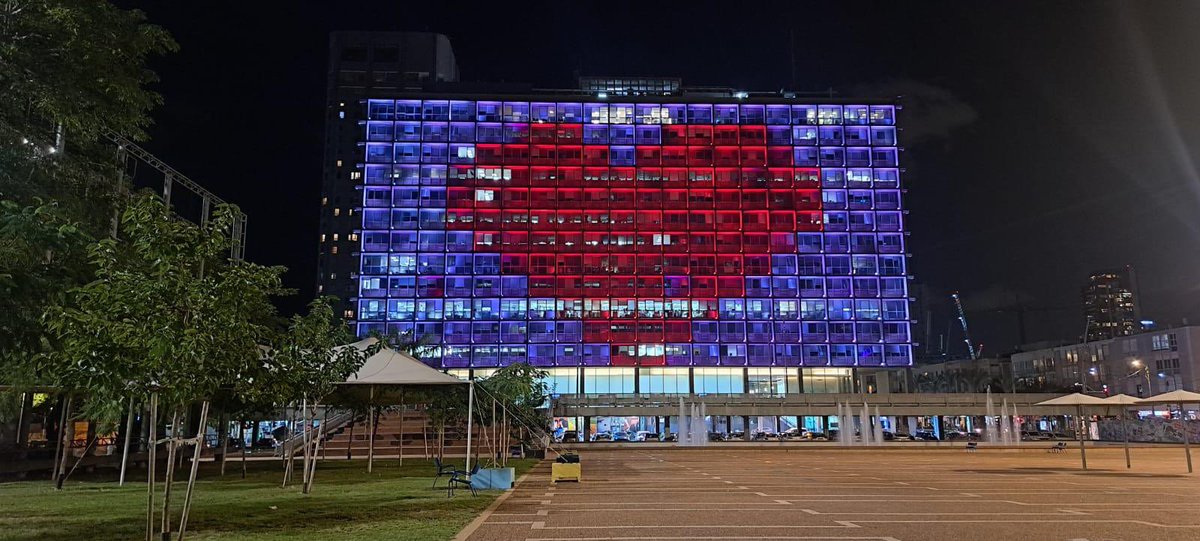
x=636, y=236
x=363, y=65
x=1110, y=304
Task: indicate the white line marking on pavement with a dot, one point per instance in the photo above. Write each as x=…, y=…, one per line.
x=840, y=524
x=665, y=538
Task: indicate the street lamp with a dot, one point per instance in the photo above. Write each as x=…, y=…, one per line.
x=1140, y=367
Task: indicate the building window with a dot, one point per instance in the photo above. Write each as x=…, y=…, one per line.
x=608, y=381
x=663, y=381
x=719, y=381
x=1164, y=342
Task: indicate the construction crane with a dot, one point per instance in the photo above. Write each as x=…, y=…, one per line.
x=962, y=320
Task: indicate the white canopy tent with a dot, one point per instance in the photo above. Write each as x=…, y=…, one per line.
x=391, y=368
x=1079, y=401
x=1180, y=397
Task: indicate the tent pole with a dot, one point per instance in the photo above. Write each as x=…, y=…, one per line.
x=471, y=416
x=1125, y=432
x=1187, y=445
x=1079, y=421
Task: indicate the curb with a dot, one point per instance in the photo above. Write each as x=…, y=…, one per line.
x=479, y=520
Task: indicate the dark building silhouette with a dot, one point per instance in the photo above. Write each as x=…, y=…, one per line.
x=363, y=65
x=1110, y=304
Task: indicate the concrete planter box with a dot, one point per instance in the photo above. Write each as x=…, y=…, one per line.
x=565, y=472
x=494, y=479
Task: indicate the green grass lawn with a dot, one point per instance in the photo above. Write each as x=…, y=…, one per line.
x=347, y=504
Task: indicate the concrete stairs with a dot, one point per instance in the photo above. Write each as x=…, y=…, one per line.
x=409, y=432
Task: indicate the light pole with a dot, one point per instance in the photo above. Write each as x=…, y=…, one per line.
x=1144, y=370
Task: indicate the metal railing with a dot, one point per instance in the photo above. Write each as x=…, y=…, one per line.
x=331, y=423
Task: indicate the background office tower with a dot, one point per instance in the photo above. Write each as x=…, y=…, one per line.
x=1110, y=304
x=637, y=237
x=362, y=65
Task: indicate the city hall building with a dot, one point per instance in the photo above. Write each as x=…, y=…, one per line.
x=657, y=244
x=634, y=236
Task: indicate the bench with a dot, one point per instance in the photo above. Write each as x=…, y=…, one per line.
x=1058, y=447
x=972, y=446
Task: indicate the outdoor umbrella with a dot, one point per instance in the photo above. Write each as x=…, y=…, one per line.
x=1124, y=401
x=1180, y=397
x=1079, y=401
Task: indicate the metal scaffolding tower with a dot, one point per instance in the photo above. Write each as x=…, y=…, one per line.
x=171, y=178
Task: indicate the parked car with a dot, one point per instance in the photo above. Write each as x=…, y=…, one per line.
x=1036, y=436
x=810, y=435
x=833, y=434
x=792, y=433
x=604, y=436
x=925, y=435
x=644, y=435
x=899, y=436
x=735, y=436
x=958, y=435
x=716, y=436
x=762, y=435
x=621, y=436
x=569, y=436
x=670, y=436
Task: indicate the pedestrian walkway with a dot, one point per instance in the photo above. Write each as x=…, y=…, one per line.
x=899, y=495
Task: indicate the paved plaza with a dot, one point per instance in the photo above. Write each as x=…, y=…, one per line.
x=901, y=495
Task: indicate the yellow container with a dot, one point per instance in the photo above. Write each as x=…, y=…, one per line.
x=565, y=472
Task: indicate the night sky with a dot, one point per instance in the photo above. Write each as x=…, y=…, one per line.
x=1043, y=139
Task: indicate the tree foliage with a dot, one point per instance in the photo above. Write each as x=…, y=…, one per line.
x=78, y=63
x=43, y=254
x=168, y=312
x=69, y=69
x=312, y=357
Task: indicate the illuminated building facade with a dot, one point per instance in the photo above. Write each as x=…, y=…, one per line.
x=637, y=243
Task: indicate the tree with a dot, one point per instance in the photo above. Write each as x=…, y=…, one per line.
x=70, y=70
x=519, y=391
x=168, y=318
x=310, y=360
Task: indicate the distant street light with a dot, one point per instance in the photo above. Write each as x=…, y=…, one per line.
x=1141, y=368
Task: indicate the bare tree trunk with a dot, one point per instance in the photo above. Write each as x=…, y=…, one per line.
x=305, y=436
x=242, y=434
x=151, y=466
x=172, y=444
x=287, y=453
x=507, y=441
x=223, y=435
x=371, y=441
x=191, y=484
x=128, y=435
x=350, y=442
x=441, y=452
x=321, y=431
x=401, y=429
x=311, y=468
x=67, y=435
